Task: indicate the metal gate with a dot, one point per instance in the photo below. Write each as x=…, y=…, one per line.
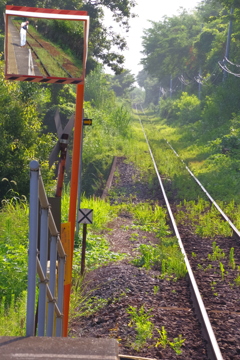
x=45, y=315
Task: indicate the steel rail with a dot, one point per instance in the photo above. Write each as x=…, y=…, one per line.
x=214, y=352
x=225, y=217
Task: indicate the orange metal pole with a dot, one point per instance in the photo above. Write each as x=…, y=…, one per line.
x=78, y=129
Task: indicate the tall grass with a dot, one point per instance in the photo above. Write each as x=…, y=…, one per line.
x=13, y=248
x=13, y=316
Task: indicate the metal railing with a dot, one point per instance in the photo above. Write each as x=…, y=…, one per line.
x=44, y=244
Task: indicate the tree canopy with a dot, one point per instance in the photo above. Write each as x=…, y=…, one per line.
x=189, y=48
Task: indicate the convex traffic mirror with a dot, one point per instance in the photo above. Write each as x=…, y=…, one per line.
x=45, y=45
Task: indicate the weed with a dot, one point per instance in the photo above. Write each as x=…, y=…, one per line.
x=213, y=283
x=208, y=267
x=150, y=256
x=144, y=327
x=237, y=280
x=231, y=259
x=194, y=254
x=221, y=266
x=176, y=344
x=134, y=237
x=97, y=254
x=217, y=253
x=13, y=316
x=155, y=289
x=82, y=302
x=166, y=256
x=163, y=341
x=163, y=338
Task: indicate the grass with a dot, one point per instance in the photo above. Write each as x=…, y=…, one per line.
x=13, y=316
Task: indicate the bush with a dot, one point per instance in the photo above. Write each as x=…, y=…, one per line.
x=188, y=108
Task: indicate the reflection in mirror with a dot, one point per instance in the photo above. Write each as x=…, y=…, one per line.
x=45, y=47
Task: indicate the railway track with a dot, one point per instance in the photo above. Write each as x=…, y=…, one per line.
x=212, y=263
x=179, y=307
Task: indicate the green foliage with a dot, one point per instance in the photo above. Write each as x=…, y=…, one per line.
x=165, y=257
x=21, y=135
x=152, y=215
x=231, y=259
x=103, y=212
x=13, y=316
x=13, y=249
x=97, y=254
x=167, y=109
x=82, y=302
x=110, y=130
x=169, y=43
x=163, y=341
x=205, y=219
x=140, y=319
x=222, y=270
x=217, y=253
x=137, y=96
x=150, y=256
x=188, y=108
x=237, y=280
x=176, y=344
x=71, y=34
x=122, y=84
x=163, y=338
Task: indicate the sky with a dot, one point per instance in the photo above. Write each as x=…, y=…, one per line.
x=147, y=10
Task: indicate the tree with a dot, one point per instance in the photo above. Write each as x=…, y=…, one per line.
x=21, y=136
x=167, y=45
x=122, y=83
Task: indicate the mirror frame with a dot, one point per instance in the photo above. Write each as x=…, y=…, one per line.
x=41, y=13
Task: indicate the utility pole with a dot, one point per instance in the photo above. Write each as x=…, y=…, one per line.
x=228, y=43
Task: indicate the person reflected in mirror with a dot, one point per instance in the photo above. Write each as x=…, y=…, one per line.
x=23, y=33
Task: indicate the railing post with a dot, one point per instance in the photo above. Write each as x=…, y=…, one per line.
x=43, y=262
x=59, y=322
x=32, y=255
x=52, y=281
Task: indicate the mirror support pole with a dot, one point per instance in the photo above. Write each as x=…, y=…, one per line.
x=78, y=129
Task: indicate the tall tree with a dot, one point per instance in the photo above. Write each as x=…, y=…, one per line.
x=167, y=45
x=122, y=83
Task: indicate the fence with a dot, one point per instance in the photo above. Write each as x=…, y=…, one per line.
x=44, y=244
